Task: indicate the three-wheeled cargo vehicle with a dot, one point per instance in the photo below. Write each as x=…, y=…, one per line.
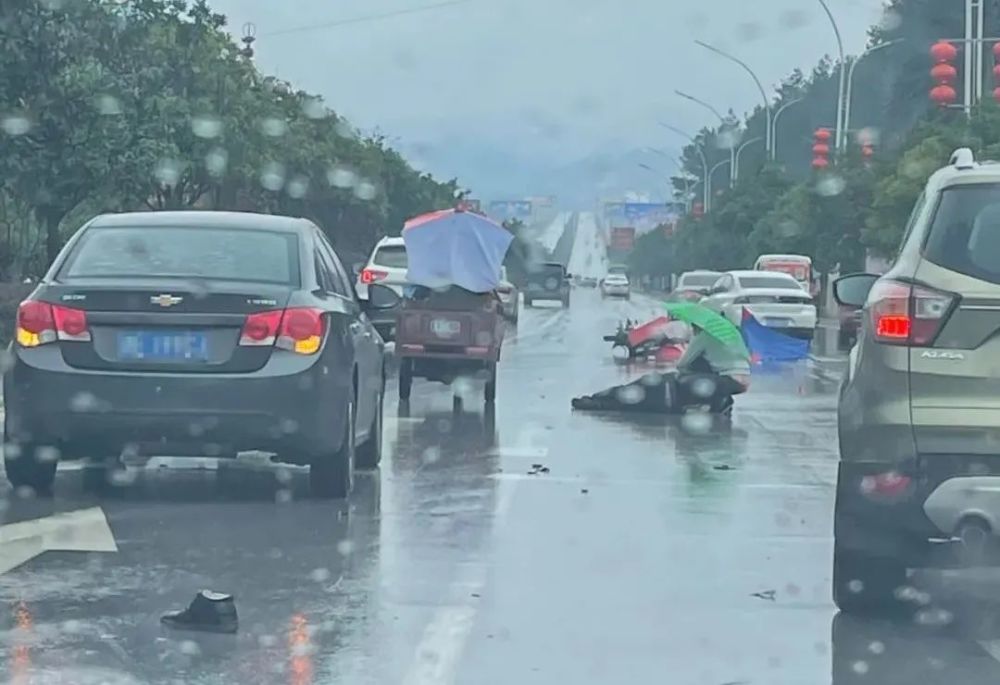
x=450, y=323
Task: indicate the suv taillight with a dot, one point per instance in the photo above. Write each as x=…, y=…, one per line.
x=369, y=276
x=39, y=323
x=297, y=329
x=907, y=314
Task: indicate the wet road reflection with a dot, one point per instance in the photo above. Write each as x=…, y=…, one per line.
x=520, y=543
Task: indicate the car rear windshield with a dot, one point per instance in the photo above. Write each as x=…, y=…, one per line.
x=699, y=280
x=392, y=256
x=965, y=232
x=174, y=252
x=767, y=282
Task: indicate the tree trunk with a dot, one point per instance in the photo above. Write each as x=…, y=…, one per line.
x=50, y=218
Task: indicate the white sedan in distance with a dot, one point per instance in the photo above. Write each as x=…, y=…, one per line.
x=776, y=300
x=616, y=285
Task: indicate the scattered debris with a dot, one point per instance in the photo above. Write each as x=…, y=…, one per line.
x=766, y=594
x=538, y=468
x=723, y=467
x=475, y=594
x=584, y=491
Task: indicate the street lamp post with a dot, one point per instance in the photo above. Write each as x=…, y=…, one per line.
x=739, y=150
x=850, y=80
x=706, y=198
x=838, y=136
x=665, y=177
x=711, y=173
x=760, y=87
x=774, y=126
x=722, y=125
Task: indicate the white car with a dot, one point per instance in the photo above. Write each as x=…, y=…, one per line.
x=616, y=285
x=386, y=266
x=776, y=300
x=509, y=295
x=696, y=281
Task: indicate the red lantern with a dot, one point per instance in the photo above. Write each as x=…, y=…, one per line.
x=867, y=151
x=996, y=94
x=996, y=50
x=944, y=73
x=943, y=51
x=821, y=148
x=697, y=210
x=943, y=95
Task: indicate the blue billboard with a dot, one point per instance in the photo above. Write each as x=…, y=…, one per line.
x=642, y=216
x=501, y=210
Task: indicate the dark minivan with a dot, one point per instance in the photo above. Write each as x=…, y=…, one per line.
x=547, y=281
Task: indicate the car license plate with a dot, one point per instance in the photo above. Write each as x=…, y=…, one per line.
x=777, y=323
x=445, y=328
x=181, y=346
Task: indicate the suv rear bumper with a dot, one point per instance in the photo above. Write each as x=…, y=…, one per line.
x=911, y=525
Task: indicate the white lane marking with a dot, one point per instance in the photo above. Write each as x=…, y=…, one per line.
x=85, y=530
x=521, y=452
x=440, y=649
x=651, y=482
x=548, y=323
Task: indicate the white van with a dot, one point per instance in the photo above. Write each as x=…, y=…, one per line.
x=797, y=266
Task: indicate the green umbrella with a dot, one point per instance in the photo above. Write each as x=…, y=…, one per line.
x=716, y=325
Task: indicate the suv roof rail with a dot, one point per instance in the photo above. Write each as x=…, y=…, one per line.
x=962, y=158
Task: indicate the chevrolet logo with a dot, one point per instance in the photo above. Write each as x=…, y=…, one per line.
x=165, y=300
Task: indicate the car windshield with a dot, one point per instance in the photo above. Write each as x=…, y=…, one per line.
x=393, y=256
x=768, y=282
x=698, y=280
x=166, y=252
x=731, y=416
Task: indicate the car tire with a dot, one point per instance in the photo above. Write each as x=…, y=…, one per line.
x=405, y=378
x=29, y=466
x=864, y=584
x=845, y=339
x=490, y=389
x=527, y=302
x=331, y=474
x=369, y=453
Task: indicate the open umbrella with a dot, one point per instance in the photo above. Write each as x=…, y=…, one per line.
x=716, y=325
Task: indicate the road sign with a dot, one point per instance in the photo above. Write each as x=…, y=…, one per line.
x=502, y=210
x=643, y=216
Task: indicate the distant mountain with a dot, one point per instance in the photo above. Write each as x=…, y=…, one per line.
x=494, y=173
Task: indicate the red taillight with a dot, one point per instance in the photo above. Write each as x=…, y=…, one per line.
x=39, y=323
x=261, y=328
x=889, y=484
x=297, y=329
x=907, y=314
x=369, y=276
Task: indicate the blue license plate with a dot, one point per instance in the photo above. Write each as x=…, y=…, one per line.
x=180, y=346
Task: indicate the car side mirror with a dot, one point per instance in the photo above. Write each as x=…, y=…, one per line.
x=382, y=297
x=852, y=290
x=357, y=268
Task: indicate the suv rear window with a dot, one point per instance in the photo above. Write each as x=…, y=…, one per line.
x=965, y=232
x=392, y=256
x=768, y=282
x=169, y=252
x=699, y=280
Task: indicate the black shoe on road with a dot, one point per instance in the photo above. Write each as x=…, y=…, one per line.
x=211, y=612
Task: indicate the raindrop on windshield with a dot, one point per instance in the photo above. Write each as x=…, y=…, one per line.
x=313, y=108
x=860, y=667
x=696, y=423
x=206, y=126
x=344, y=129
x=283, y=496
x=190, y=648
x=891, y=20
x=108, y=105
x=341, y=177
x=365, y=190
x=703, y=388
x=794, y=19
x=83, y=402
x=830, y=185
x=320, y=575
x=631, y=394
x=298, y=187
x=272, y=176
x=15, y=124
x=431, y=455
x=788, y=228
x=877, y=647
x=273, y=127
x=345, y=547
x=168, y=172
x=216, y=161
x=749, y=31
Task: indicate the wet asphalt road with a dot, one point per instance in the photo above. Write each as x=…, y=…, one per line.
x=634, y=559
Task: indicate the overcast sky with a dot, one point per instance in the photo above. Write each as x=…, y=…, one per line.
x=554, y=80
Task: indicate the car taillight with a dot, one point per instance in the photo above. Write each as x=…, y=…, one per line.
x=890, y=484
x=297, y=329
x=369, y=276
x=39, y=323
x=907, y=314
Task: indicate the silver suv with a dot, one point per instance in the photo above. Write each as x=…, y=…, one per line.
x=919, y=411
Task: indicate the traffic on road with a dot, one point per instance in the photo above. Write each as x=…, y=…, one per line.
x=280, y=404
